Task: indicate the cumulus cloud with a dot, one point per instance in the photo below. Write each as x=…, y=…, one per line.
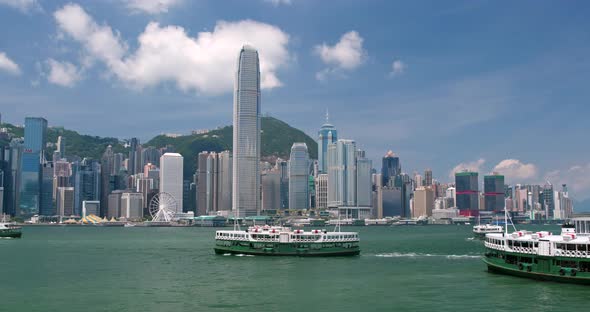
x=8, y=65
x=576, y=177
x=64, y=74
x=205, y=63
x=467, y=166
x=151, y=6
x=516, y=171
x=25, y=6
x=397, y=68
x=346, y=55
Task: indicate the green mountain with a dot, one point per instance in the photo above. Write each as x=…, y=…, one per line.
x=277, y=138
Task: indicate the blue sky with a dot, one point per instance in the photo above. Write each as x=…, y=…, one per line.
x=444, y=84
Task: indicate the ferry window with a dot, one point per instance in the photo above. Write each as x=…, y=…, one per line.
x=571, y=247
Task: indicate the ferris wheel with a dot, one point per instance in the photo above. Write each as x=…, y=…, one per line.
x=162, y=207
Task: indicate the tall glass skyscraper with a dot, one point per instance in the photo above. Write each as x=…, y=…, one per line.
x=246, y=134
x=30, y=187
x=390, y=168
x=299, y=177
x=327, y=134
x=493, y=187
x=467, y=193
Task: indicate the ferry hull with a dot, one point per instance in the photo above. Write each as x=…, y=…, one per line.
x=288, y=250
x=551, y=274
x=11, y=234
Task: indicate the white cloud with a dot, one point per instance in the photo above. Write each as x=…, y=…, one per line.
x=8, y=65
x=347, y=54
x=474, y=166
x=397, y=68
x=278, y=2
x=64, y=74
x=205, y=63
x=516, y=171
x=25, y=6
x=576, y=177
x=151, y=6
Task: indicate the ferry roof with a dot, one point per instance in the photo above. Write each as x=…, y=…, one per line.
x=528, y=236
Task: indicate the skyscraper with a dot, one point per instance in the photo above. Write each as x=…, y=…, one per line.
x=428, y=177
x=467, y=193
x=61, y=146
x=423, y=202
x=349, y=179
x=171, y=177
x=133, y=156
x=299, y=177
x=390, y=168
x=47, y=205
x=327, y=134
x=87, y=183
x=107, y=162
x=246, y=134
x=30, y=187
x=202, y=183
x=493, y=187
x=321, y=191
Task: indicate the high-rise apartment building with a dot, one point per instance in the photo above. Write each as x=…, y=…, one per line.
x=299, y=177
x=246, y=134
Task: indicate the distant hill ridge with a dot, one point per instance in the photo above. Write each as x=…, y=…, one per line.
x=277, y=138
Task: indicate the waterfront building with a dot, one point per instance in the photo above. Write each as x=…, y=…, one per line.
x=327, y=134
x=271, y=190
x=32, y=154
x=548, y=203
x=65, y=201
x=171, y=171
x=321, y=191
x=47, y=206
x=12, y=175
x=390, y=168
x=493, y=188
x=107, y=162
x=131, y=206
x=467, y=193
x=145, y=186
x=246, y=134
x=202, y=183
x=299, y=177
x=423, y=202
x=452, y=194
x=87, y=183
x=90, y=207
x=114, y=204
x=347, y=166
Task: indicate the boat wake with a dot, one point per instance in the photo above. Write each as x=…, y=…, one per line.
x=424, y=255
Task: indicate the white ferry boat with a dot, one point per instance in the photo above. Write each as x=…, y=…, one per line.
x=481, y=230
x=563, y=257
x=283, y=241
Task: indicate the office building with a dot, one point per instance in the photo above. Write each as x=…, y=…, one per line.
x=390, y=168
x=90, y=207
x=271, y=190
x=30, y=173
x=321, y=191
x=327, y=134
x=493, y=188
x=246, y=134
x=65, y=201
x=299, y=177
x=171, y=177
x=467, y=193
x=131, y=206
x=423, y=202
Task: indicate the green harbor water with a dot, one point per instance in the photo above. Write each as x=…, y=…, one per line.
x=422, y=268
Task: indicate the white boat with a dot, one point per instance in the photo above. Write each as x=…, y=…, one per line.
x=129, y=225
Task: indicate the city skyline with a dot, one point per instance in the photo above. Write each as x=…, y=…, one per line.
x=390, y=76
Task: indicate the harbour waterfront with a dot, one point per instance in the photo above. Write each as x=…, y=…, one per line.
x=411, y=268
